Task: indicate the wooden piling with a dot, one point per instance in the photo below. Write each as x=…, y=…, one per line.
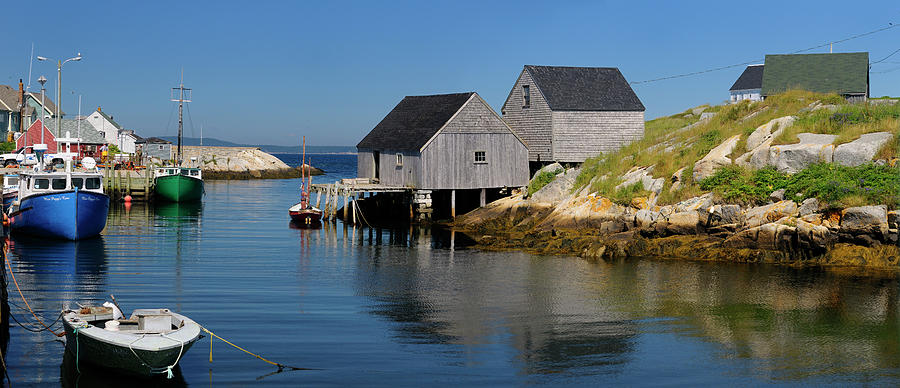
x=452, y=204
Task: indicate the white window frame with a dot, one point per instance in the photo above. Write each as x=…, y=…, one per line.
x=399, y=159
x=484, y=156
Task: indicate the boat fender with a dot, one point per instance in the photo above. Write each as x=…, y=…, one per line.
x=117, y=314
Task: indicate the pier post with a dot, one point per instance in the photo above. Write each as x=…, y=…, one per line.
x=346, y=198
x=327, y=197
x=354, y=211
x=318, y=197
x=483, y=197
x=452, y=203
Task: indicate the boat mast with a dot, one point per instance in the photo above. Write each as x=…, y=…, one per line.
x=181, y=100
x=303, y=188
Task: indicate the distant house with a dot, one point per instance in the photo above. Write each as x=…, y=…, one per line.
x=154, y=147
x=9, y=110
x=445, y=142
x=86, y=140
x=846, y=74
x=749, y=85
x=108, y=127
x=569, y=114
x=33, y=100
x=128, y=141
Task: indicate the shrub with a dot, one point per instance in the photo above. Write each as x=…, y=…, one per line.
x=8, y=146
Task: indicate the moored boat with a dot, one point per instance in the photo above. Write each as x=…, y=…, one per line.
x=178, y=184
x=65, y=205
x=151, y=341
x=303, y=213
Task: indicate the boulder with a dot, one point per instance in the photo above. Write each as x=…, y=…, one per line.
x=698, y=110
x=557, y=190
x=809, y=206
x=716, y=158
x=764, y=132
x=812, y=148
x=705, y=116
x=893, y=219
x=725, y=215
x=777, y=195
x=548, y=168
x=861, y=150
x=642, y=175
x=676, y=180
x=814, y=237
x=701, y=203
x=683, y=223
x=770, y=213
x=865, y=220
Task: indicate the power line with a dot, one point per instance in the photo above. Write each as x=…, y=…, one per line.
x=889, y=55
x=890, y=26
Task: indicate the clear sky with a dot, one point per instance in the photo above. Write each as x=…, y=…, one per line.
x=266, y=72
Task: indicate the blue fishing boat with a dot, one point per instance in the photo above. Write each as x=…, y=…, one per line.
x=65, y=205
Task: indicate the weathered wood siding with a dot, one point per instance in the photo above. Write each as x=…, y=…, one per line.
x=532, y=124
x=578, y=135
x=448, y=161
x=365, y=164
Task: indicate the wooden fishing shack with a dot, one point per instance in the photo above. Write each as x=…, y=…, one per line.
x=450, y=152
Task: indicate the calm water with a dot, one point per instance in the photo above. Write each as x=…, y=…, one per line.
x=387, y=308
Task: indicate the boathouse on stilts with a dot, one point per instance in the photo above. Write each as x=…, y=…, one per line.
x=433, y=157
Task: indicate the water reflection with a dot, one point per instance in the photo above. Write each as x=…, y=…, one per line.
x=69, y=267
x=73, y=374
x=564, y=314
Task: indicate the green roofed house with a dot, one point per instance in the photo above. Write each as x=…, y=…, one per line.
x=846, y=74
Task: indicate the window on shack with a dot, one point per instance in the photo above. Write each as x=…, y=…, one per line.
x=481, y=157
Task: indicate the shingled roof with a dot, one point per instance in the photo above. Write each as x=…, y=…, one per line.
x=48, y=103
x=9, y=100
x=584, y=88
x=751, y=78
x=842, y=73
x=413, y=122
x=86, y=132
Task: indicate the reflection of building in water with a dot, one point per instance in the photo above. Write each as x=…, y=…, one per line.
x=538, y=306
x=796, y=320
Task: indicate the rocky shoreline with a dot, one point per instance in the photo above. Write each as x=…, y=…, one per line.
x=699, y=228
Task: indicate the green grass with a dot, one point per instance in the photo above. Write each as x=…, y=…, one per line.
x=669, y=145
x=832, y=184
x=542, y=180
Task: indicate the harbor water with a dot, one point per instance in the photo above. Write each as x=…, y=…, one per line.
x=416, y=306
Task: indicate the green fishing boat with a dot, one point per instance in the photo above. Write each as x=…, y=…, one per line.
x=177, y=183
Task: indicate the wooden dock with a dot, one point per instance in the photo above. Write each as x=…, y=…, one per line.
x=136, y=183
x=344, y=194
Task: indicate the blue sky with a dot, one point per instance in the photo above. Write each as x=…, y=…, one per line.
x=267, y=72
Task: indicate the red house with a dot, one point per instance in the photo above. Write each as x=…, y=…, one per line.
x=32, y=136
x=91, y=140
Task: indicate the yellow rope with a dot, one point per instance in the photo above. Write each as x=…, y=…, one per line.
x=13, y=275
x=280, y=366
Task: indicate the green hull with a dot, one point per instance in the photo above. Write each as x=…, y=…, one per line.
x=179, y=188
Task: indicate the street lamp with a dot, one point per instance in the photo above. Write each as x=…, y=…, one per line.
x=59, y=65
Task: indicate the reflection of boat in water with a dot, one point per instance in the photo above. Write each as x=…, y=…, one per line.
x=186, y=210
x=74, y=374
x=66, y=258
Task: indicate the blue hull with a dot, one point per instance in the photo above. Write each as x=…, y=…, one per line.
x=69, y=215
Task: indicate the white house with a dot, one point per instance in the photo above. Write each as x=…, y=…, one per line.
x=749, y=85
x=113, y=132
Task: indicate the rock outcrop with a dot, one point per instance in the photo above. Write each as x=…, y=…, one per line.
x=239, y=163
x=861, y=150
x=716, y=158
x=812, y=148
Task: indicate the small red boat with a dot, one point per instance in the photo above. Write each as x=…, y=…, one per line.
x=302, y=213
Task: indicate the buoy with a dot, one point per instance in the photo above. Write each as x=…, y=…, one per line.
x=127, y=199
x=127, y=206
